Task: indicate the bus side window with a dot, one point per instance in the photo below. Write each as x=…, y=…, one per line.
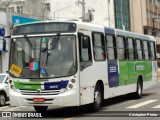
x=139, y=50
x=98, y=46
x=84, y=51
x=110, y=47
x=146, y=50
x=131, y=51
x=120, y=48
x=152, y=52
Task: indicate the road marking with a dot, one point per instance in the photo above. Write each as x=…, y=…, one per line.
x=142, y=104
x=158, y=106
x=12, y=109
x=3, y=107
x=117, y=105
x=68, y=119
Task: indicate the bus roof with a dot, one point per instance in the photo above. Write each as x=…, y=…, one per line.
x=90, y=26
x=119, y=32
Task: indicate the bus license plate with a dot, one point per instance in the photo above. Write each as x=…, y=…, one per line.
x=39, y=99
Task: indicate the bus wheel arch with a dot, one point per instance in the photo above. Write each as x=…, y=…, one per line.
x=40, y=109
x=98, y=96
x=101, y=85
x=3, y=98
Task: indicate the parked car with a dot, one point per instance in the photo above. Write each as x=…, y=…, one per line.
x=4, y=89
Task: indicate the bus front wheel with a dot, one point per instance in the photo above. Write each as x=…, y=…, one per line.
x=96, y=105
x=40, y=109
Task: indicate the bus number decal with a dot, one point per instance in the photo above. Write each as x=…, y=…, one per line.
x=113, y=73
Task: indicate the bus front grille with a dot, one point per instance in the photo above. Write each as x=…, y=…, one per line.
x=43, y=92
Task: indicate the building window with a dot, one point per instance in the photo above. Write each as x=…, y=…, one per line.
x=122, y=14
x=47, y=6
x=19, y=9
x=145, y=31
x=12, y=9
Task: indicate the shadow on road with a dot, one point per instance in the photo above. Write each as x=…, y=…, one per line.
x=67, y=112
x=83, y=110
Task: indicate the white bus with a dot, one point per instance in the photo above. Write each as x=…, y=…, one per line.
x=69, y=63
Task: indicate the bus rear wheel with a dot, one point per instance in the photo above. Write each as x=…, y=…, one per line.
x=96, y=105
x=138, y=93
x=40, y=109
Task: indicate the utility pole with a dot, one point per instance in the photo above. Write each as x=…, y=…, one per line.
x=83, y=7
x=109, y=14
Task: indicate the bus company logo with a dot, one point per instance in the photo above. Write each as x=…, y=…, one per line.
x=38, y=91
x=33, y=66
x=113, y=69
x=54, y=87
x=139, y=67
x=6, y=114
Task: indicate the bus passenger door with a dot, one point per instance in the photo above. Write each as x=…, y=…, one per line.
x=85, y=59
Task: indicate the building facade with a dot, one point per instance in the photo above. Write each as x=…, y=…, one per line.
x=27, y=8
x=102, y=10
x=3, y=32
x=143, y=12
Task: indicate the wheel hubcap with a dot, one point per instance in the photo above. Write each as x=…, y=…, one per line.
x=2, y=100
x=97, y=98
x=139, y=89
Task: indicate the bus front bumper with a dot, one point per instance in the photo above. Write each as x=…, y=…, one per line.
x=68, y=98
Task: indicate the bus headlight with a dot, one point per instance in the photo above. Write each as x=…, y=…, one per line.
x=73, y=80
x=70, y=86
x=12, y=86
x=10, y=81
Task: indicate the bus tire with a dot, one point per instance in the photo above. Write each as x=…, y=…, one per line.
x=96, y=105
x=2, y=99
x=138, y=93
x=40, y=109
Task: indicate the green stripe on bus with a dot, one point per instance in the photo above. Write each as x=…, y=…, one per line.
x=27, y=85
x=130, y=70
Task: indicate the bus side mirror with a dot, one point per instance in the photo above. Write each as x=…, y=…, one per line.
x=85, y=42
x=5, y=45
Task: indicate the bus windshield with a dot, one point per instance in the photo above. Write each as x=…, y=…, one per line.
x=44, y=57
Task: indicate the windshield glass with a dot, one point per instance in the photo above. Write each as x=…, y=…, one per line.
x=43, y=57
x=2, y=78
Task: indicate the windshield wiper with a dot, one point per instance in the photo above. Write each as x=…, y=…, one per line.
x=28, y=41
x=52, y=45
x=55, y=41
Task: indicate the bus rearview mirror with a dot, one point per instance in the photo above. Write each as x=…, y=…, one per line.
x=85, y=42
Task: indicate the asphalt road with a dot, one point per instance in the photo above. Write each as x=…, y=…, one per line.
x=123, y=107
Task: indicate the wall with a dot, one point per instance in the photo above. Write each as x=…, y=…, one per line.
x=137, y=15
x=4, y=55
